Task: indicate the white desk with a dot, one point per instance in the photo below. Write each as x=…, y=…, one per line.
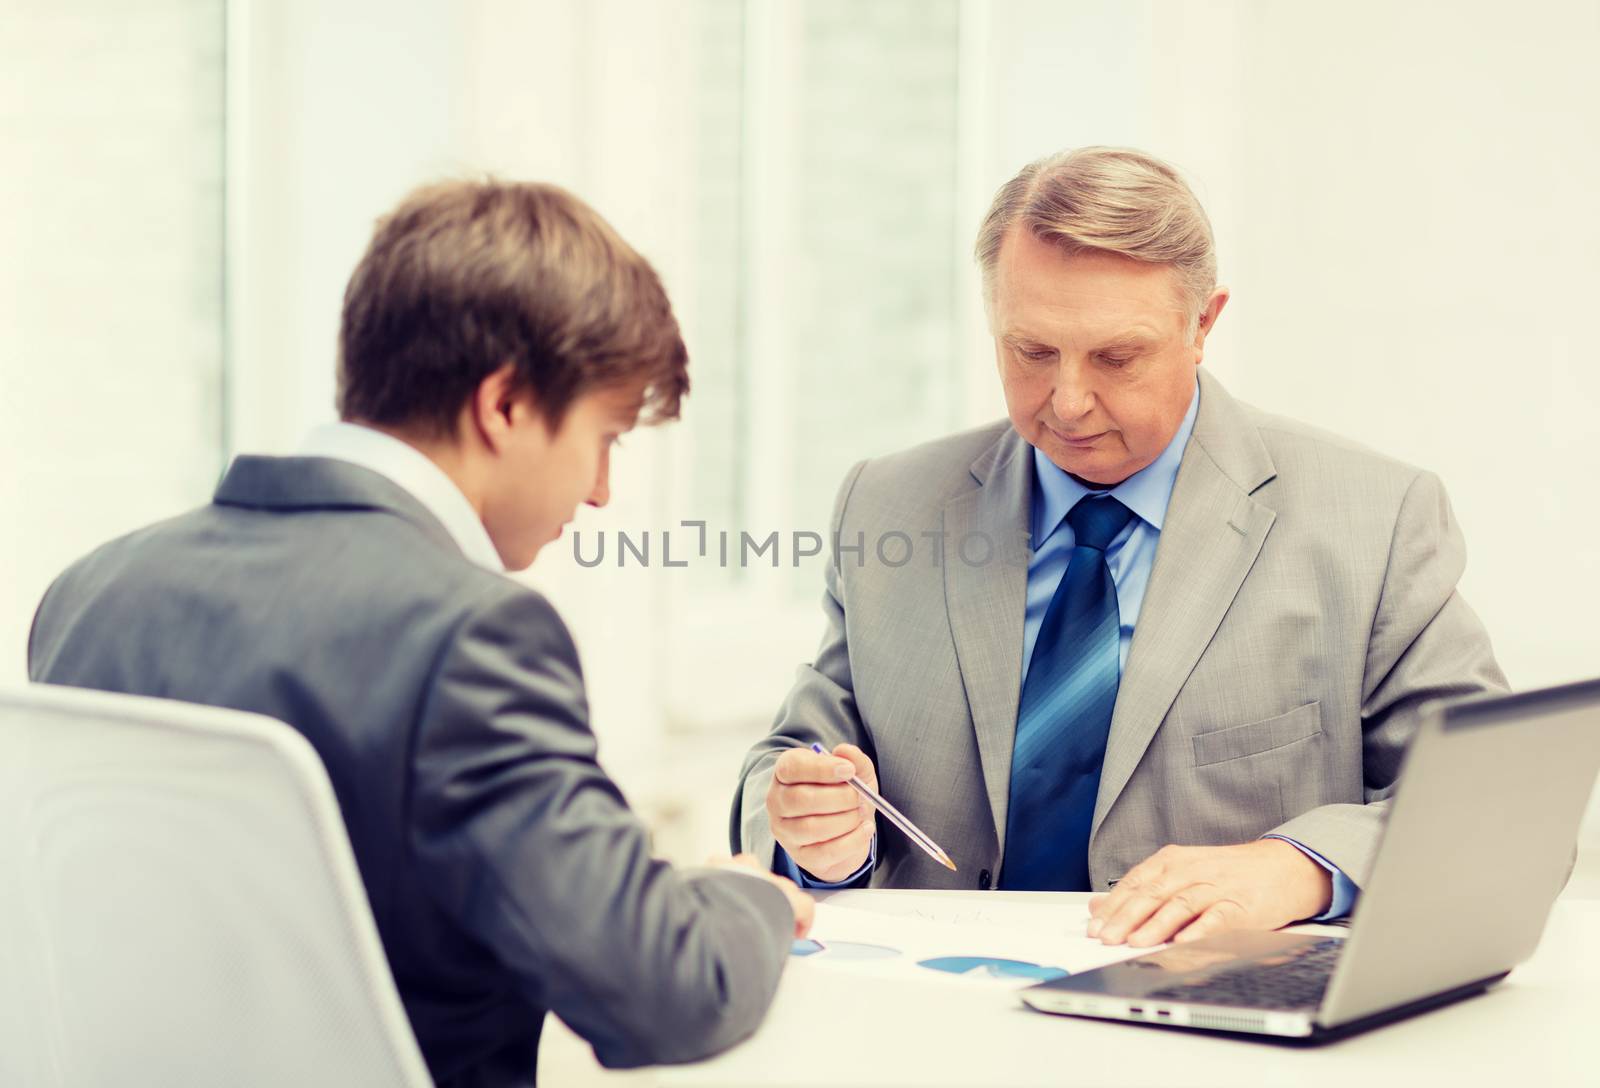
x=1539, y=1027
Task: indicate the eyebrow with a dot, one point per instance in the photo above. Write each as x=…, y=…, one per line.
x=1133, y=339
x=1128, y=340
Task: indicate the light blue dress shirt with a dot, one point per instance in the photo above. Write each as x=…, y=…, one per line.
x=1131, y=556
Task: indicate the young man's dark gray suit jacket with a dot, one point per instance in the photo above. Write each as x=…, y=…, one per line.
x=506, y=873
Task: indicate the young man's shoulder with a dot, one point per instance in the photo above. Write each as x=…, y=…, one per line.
x=330, y=570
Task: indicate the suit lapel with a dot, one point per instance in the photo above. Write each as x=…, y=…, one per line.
x=1213, y=532
x=986, y=602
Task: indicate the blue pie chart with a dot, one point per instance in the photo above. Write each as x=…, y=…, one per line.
x=993, y=968
x=843, y=950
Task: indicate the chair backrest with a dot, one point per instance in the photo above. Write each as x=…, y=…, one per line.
x=179, y=905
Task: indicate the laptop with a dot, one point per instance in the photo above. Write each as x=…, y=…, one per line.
x=1478, y=844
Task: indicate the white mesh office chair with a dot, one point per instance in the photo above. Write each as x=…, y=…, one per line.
x=179, y=905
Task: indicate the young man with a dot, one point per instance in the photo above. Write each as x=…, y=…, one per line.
x=496, y=339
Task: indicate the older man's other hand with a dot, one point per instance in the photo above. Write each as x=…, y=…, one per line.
x=1184, y=893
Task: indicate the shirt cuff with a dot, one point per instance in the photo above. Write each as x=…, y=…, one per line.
x=784, y=865
x=1344, y=889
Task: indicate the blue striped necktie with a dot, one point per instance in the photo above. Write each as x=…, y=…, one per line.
x=1064, y=716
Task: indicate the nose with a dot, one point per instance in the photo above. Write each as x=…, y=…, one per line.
x=601, y=493
x=1073, y=396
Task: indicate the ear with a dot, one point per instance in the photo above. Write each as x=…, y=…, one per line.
x=1208, y=320
x=495, y=407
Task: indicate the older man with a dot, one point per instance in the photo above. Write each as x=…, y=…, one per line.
x=1172, y=644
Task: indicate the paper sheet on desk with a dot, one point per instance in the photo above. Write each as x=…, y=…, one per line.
x=912, y=931
x=1049, y=915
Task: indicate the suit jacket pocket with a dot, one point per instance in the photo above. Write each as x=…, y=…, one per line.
x=1239, y=741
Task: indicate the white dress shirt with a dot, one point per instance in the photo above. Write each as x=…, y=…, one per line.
x=411, y=470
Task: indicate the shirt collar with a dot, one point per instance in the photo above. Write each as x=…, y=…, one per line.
x=1146, y=492
x=414, y=472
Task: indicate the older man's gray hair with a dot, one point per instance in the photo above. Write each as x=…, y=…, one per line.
x=1112, y=199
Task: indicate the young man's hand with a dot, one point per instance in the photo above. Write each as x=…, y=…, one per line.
x=803, y=906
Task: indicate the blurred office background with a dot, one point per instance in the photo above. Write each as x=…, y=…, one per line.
x=1403, y=197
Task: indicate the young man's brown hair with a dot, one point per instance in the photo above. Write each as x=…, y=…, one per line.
x=467, y=276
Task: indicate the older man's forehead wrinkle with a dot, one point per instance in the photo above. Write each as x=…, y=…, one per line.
x=1020, y=297
x=1056, y=304
x=1116, y=335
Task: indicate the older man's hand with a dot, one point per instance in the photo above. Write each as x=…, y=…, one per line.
x=1184, y=893
x=817, y=816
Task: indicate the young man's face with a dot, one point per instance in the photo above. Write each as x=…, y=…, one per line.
x=542, y=476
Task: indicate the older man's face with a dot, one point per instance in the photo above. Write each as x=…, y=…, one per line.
x=1094, y=353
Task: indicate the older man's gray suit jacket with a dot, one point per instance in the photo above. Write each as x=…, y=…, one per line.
x=1301, y=610
x=505, y=872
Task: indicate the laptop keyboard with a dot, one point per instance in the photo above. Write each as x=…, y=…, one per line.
x=1293, y=984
